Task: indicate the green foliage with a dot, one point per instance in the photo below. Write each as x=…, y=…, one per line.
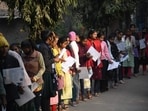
x=39, y=14
x=99, y=13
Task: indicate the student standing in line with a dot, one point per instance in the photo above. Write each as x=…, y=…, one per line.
x=16, y=47
x=35, y=67
x=136, y=49
x=50, y=84
x=66, y=94
x=114, y=54
x=118, y=40
x=93, y=41
x=106, y=59
x=7, y=61
x=74, y=50
x=129, y=46
x=85, y=61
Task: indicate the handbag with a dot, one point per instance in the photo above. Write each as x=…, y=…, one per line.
x=60, y=83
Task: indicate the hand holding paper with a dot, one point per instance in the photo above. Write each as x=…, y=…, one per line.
x=94, y=53
x=84, y=73
x=69, y=61
x=13, y=75
x=112, y=66
x=142, y=43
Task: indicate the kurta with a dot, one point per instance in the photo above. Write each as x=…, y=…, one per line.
x=58, y=65
x=67, y=90
x=130, y=51
x=35, y=67
x=84, y=61
x=96, y=68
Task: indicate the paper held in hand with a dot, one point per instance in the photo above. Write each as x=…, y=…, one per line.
x=69, y=61
x=121, y=46
x=94, y=53
x=142, y=43
x=84, y=73
x=34, y=86
x=25, y=97
x=113, y=65
x=62, y=52
x=3, y=109
x=13, y=75
x=123, y=58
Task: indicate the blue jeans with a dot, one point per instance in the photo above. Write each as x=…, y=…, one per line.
x=76, y=87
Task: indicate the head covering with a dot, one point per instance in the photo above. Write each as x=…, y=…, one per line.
x=3, y=41
x=72, y=36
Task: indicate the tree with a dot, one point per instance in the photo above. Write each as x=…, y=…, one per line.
x=39, y=14
x=100, y=13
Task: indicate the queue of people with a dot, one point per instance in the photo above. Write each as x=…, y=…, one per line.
x=54, y=86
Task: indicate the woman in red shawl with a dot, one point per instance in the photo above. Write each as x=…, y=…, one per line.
x=97, y=74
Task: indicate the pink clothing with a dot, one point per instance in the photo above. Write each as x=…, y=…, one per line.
x=68, y=52
x=105, y=52
x=72, y=36
x=54, y=100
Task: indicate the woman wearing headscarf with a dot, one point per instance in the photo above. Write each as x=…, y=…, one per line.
x=74, y=50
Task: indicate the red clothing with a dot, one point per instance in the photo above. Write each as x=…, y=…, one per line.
x=84, y=61
x=97, y=75
x=97, y=45
x=68, y=52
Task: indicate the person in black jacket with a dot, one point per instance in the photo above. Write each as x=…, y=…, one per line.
x=115, y=56
x=7, y=61
x=50, y=84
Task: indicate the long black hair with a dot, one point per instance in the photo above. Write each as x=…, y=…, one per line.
x=61, y=40
x=91, y=31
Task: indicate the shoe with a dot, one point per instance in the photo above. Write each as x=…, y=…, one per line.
x=116, y=84
x=77, y=101
x=114, y=87
x=128, y=77
x=73, y=104
x=96, y=94
x=121, y=82
x=83, y=99
x=89, y=95
x=135, y=75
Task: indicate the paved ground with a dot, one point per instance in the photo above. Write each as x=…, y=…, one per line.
x=131, y=96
